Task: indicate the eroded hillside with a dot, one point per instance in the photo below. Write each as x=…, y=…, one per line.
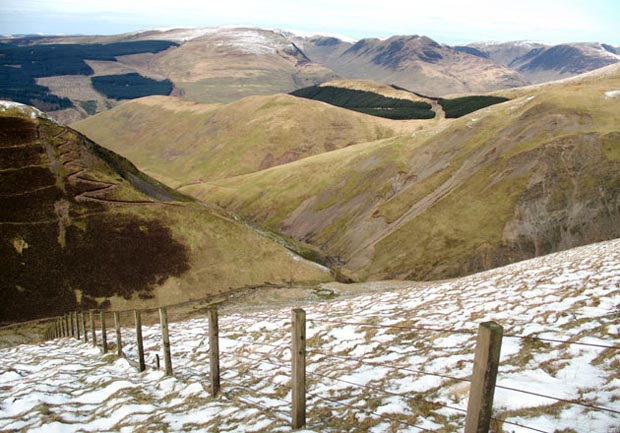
x=527, y=177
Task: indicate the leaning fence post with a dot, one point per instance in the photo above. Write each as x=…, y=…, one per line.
x=117, y=328
x=104, y=337
x=163, y=319
x=138, y=318
x=92, y=328
x=298, y=355
x=486, y=363
x=214, y=351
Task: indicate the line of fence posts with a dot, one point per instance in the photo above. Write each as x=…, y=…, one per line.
x=480, y=402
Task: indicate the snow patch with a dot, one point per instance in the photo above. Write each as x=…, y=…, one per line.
x=612, y=94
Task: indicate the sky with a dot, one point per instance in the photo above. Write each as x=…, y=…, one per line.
x=446, y=21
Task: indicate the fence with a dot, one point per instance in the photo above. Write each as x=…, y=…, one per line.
x=306, y=365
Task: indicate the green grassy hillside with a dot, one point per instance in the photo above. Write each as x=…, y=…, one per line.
x=182, y=142
x=533, y=175
x=81, y=227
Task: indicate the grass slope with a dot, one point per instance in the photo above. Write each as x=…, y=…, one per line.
x=533, y=175
x=197, y=142
x=82, y=226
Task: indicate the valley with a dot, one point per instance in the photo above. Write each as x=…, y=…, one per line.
x=402, y=191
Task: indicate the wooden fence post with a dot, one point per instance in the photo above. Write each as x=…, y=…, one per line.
x=104, y=337
x=214, y=351
x=92, y=328
x=67, y=327
x=163, y=320
x=138, y=318
x=83, y=320
x=298, y=355
x=486, y=363
x=117, y=328
x=77, y=325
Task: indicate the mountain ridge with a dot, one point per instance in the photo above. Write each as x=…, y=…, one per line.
x=228, y=63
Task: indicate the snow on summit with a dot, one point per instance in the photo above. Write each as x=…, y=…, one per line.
x=405, y=370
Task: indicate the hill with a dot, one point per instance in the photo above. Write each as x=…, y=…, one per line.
x=530, y=176
x=225, y=64
x=414, y=62
x=541, y=63
x=395, y=358
x=197, y=142
x=231, y=63
x=81, y=226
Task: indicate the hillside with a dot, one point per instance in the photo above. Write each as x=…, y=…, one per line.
x=530, y=176
x=541, y=63
x=197, y=142
x=81, y=226
x=232, y=63
x=225, y=64
x=406, y=365
x=413, y=62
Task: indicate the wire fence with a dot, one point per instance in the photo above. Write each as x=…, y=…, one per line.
x=252, y=361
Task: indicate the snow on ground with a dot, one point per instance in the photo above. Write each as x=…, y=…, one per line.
x=26, y=109
x=612, y=94
x=360, y=378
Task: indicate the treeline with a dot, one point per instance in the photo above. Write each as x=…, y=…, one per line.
x=18, y=87
x=458, y=107
x=130, y=86
x=368, y=102
x=21, y=65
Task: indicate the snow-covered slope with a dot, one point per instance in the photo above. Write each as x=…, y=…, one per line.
x=360, y=378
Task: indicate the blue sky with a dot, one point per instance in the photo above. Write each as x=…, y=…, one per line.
x=446, y=21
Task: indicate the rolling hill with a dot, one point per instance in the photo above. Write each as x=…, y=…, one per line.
x=516, y=180
x=199, y=142
x=81, y=226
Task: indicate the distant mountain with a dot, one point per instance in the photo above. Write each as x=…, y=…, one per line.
x=205, y=65
x=414, y=62
x=503, y=53
x=81, y=227
x=225, y=64
x=231, y=63
x=542, y=62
